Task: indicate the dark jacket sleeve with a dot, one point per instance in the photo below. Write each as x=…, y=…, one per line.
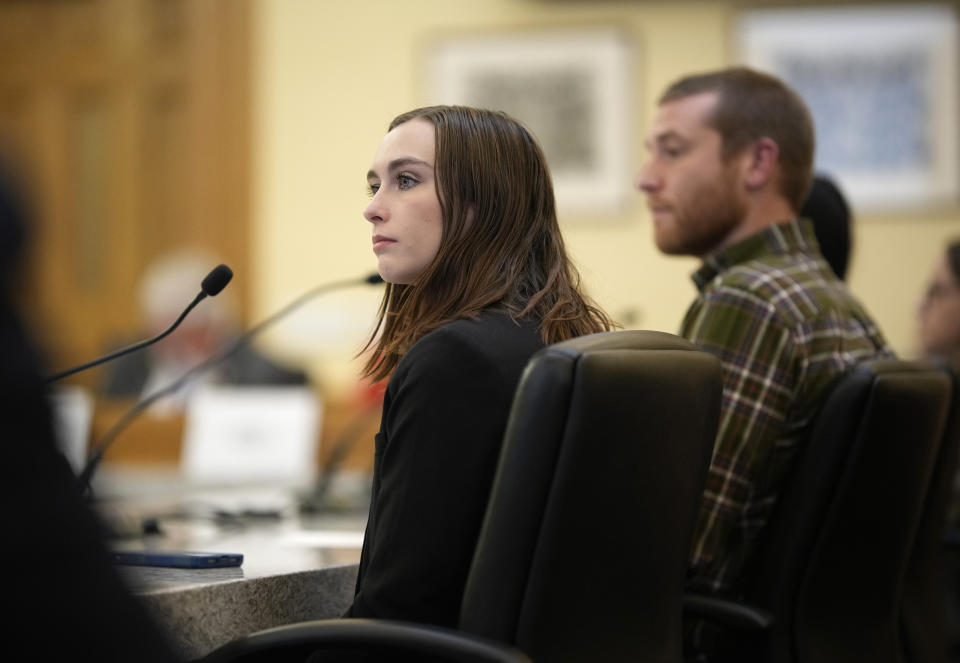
x=443, y=422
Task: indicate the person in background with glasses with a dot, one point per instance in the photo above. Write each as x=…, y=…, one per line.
x=939, y=312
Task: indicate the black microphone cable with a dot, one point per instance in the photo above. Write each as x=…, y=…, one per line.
x=212, y=284
x=83, y=481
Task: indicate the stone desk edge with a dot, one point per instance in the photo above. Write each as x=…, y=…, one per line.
x=200, y=619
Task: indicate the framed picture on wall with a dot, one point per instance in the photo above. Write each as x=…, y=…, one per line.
x=881, y=83
x=572, y=88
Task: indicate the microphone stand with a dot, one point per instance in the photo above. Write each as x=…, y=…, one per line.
x=212, y=284
x=100, y=448
x=318, y=499
x=130, y=348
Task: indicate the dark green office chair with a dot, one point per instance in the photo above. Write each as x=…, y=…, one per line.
x=583, y=551
x=844, y=572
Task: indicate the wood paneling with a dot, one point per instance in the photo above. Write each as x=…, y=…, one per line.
x=130, y=119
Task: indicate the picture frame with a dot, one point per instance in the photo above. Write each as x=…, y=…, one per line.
x=881, y=84
x=572, y=88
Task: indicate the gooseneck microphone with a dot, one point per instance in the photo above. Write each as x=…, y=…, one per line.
x=101, y=446
x=212, y=284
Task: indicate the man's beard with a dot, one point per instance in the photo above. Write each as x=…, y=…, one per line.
x=704, y=223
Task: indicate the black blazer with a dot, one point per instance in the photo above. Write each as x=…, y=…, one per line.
x=444, y=414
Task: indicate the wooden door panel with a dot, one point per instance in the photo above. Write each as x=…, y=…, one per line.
x=130, y=119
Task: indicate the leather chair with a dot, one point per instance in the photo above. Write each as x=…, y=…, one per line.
x=850, y=528
x=923, y=613
x=583, y=551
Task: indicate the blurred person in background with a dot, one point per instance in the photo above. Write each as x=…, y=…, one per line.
x=167, y=286
x=65, y=596
x=939, y=312
x=938, y=335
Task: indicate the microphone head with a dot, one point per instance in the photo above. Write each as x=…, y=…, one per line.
x=216, y=280
x=373, y=279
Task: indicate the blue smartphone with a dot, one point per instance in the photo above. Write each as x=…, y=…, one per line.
x=180, y=559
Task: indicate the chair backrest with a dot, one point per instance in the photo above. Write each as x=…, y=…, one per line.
x=834, y=558
x=585, y=544
x=923, y=617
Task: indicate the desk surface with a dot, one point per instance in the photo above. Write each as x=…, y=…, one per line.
x=295, y=568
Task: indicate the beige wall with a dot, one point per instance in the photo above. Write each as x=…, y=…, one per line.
x=328, y=77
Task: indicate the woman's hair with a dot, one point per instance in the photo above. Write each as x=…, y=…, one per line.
x=500, y=243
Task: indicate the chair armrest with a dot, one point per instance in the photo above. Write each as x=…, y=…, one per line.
x=727, y=612
x=358, y=634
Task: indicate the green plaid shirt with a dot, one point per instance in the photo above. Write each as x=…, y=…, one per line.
x=784, y=328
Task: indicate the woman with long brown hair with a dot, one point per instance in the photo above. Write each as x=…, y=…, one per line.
x=466, y=236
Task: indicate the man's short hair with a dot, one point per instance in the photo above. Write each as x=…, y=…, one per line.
x=753, y=105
